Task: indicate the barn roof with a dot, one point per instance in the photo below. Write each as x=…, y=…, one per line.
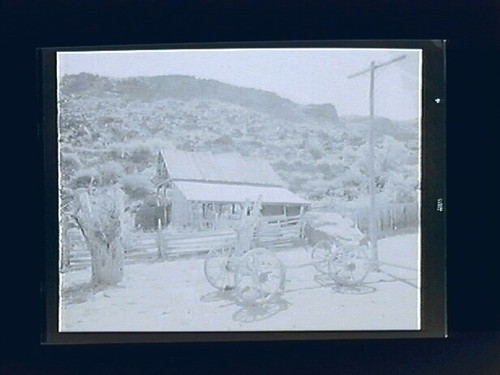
x=224, y=167
x=229, y=193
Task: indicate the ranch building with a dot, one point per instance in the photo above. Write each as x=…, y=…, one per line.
x=205, y=190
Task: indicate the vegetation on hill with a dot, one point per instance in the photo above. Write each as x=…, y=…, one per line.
x=112, y=129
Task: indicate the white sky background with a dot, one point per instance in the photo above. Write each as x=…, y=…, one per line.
x=305, y=76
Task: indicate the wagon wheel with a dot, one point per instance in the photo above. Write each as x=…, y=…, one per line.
x=321, y=253
x=348, y=266
x=219, y=268
x=259, y=277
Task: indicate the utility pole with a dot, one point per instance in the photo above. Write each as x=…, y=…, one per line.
x=373, y=225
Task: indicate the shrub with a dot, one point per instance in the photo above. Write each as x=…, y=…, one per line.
x=86, y=177
x=70, y=163
x=111, y=172
x=315, y=152
x=326, y=170
x=140, y=153
x=137, y=186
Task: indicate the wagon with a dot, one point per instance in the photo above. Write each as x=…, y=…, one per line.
x=257, y=275
x=346, y=265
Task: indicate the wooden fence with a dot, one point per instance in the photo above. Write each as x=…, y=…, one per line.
x=279, y=232
x=185, y=244
x=273, y=232
x=390, y=217
x=138, y=247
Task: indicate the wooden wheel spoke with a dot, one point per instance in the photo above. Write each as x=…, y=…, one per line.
x=218, y=268
x=257, y=275
x=321, y=253
x=347, y=267
x=223, y=276
x=351, y=275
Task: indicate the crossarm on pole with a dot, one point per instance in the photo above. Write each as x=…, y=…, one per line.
x=377, y=66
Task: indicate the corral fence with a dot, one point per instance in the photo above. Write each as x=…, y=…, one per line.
x=279, y=232
x=390, y=217
x=139, y=247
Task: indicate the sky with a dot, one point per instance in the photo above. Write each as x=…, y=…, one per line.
x=305, y=76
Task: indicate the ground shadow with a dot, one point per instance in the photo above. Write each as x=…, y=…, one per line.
x=247, y=313
x=80, y=293
x=255, y=313
x=218, y=295
x=353, y=289
x=77, y=293
x=361, y=288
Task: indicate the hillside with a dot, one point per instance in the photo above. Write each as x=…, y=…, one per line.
x=111, y=131
x=185, y=88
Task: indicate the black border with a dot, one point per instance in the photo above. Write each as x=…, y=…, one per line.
x=433, y=236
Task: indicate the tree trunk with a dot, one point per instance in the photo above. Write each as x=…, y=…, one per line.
x=106, y=259
x=99, y=218
x=65, y=250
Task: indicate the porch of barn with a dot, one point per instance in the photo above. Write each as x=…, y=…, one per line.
x=212, y=206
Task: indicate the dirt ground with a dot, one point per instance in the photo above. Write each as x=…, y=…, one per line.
x=175, y=296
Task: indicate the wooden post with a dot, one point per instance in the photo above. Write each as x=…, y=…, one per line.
x=65, y=250
x=192, y=216
x=373, y=223
x=301, y=223
x=159, y=240
x=213, y=217
x=373, y=205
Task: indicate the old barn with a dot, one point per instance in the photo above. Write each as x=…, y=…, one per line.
x=204, y=190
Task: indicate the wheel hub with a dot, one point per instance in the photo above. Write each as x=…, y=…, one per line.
x=350, y=266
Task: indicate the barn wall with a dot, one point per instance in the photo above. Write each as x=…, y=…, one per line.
x=181, y=208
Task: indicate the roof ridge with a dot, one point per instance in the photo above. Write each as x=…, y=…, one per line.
x=229, y=166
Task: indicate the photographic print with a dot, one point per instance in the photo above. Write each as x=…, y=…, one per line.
x=242, y=189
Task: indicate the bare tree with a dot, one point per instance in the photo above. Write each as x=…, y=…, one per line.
x=98, y=214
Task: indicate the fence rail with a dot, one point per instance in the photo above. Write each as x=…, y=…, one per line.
x=138, y=247
x=183, y=244
x=274, y=232
x=278, y=234
x=390, y=217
